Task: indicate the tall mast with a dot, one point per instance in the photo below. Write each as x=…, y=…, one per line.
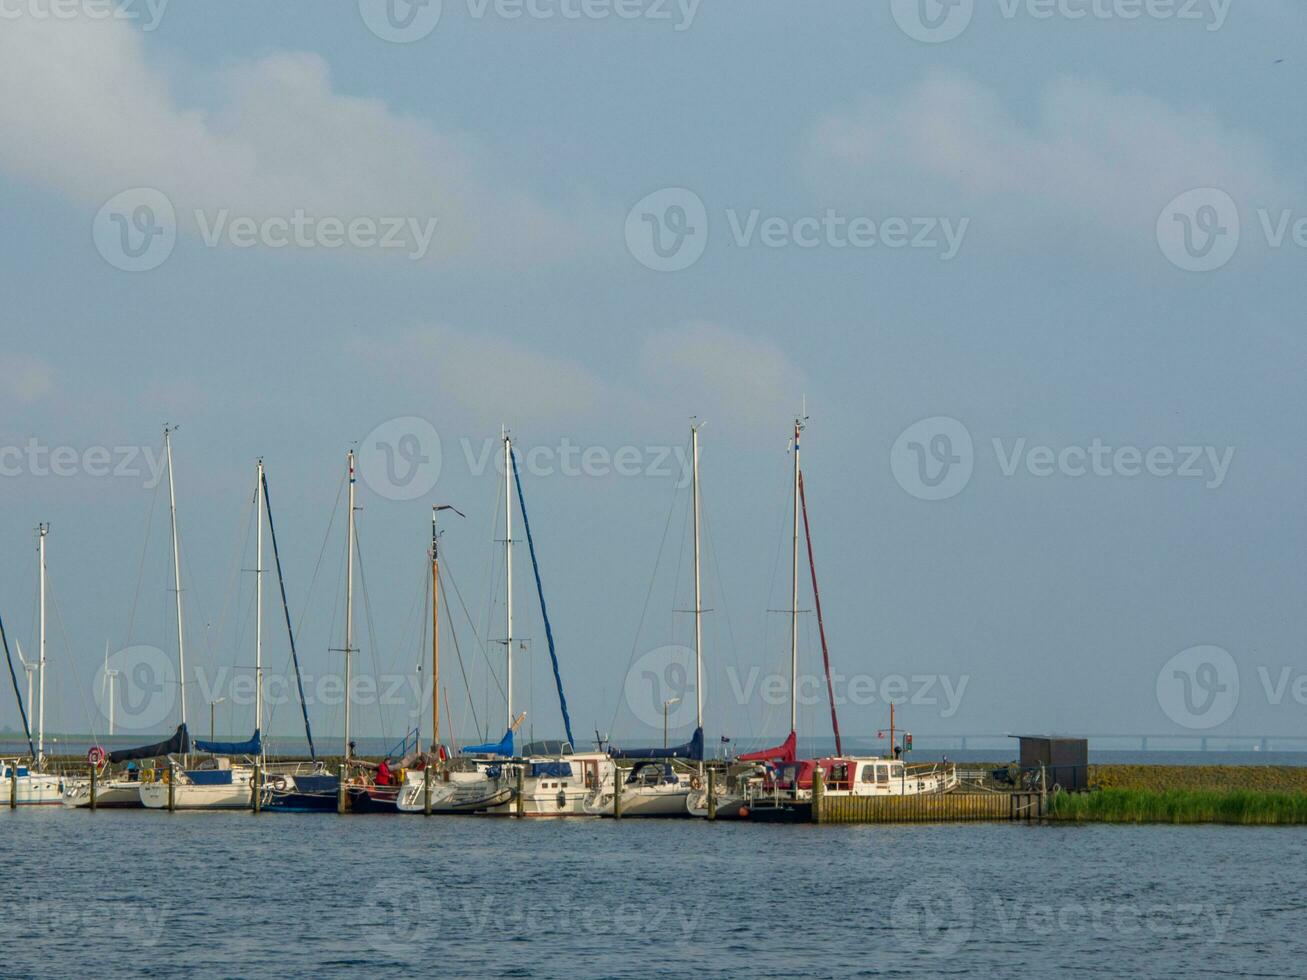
x=508, y=571
x=435, y=638
x=176, y=568
x=794, y=588
x=349, y=598
x=42, y=530
x=258, y=604
x=698, y=605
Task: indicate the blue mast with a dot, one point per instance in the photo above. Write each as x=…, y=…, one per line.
x=27, y=729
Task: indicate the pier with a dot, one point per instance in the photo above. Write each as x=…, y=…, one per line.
x=934, y=808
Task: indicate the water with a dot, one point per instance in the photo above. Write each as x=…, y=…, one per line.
x=134, y=893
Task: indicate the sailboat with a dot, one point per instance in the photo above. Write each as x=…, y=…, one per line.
x=219, y=784
x=447, y=787
x=784, y=791
x=661, y=789
x=26, y=784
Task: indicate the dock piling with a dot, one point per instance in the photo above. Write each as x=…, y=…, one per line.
x=521, y=791
x=172, y=786
x=93, y=789
x=712, y=794
x=426, y=790
x=13, y=785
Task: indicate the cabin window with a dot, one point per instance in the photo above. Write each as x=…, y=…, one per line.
x=882, y=775
x=868, y=774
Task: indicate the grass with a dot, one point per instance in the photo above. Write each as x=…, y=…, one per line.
x=1180, y=806
x=1270, y=779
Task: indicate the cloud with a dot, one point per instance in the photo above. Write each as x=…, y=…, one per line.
x=745, y=382
x=98, y=118
x=25, y=378
x=1094, y=156
x=745, y=385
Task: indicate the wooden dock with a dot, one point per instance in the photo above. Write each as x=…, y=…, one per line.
x=934, y=808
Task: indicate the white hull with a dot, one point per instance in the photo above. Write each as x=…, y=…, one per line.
x=642, y=801
x=198, y=796
x=463, y=793
x=729, y=805
x=34, y=789
x=110, y=793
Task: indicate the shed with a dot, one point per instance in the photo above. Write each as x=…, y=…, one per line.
x=1065, y=760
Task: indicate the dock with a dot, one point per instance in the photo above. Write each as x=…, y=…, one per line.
x=932, y=808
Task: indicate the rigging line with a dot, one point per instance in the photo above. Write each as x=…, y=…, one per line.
x=63, y=632
x=372, y=636
x=340, y=487
x=233, y=585
x=290, y=633
x=447, y=575
x=446, y=566
x=22, y=710
x=821, y=623
x=140, y=571
x=635, y=643
x=721, y=588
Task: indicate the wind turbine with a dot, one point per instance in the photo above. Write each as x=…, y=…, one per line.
x=109, y=677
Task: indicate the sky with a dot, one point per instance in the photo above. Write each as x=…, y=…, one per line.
x=1030, y=270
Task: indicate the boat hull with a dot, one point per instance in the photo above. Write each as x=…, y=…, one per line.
x=35, y=789
x=111, y=794
x=188, y=796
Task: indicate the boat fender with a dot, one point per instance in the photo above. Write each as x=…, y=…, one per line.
x=147, y=775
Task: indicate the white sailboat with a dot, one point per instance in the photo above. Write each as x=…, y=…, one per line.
x=220, y=784
x=663, y=789
x=26, y=784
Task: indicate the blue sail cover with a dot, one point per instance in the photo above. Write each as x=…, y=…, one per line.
x=503, y=747
x=692, y=749
x=253, y=747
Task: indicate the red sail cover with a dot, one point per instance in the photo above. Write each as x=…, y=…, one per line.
x=785, y=752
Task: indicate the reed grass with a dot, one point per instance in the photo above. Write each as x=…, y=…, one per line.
x=1180, y=806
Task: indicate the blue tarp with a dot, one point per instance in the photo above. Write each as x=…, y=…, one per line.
x=209, y=777
x=503, y=747
x=692, y=749
x=252, y=747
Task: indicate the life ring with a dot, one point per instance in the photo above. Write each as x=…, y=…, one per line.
x=147, y=775
x=696, y=782
x=278, y=783
x=95, y=756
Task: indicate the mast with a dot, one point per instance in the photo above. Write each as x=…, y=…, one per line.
x=349, y=598
x=258, y=605
x=176, y=568
x=42, y=530
x=435, y=638
x=698, y=604
x=794, y=588
x=508, y=571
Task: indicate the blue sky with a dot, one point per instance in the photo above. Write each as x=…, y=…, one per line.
x=1056, y=148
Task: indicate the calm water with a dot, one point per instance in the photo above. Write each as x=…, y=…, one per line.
x=191, y=895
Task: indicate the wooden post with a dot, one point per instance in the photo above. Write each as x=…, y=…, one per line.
x=426, y=789
x=172, y=787
x=342, y=794
x=818, y=793
x=521, y=791
x=93, y=788
x=13, y=785
x=617, y=791
x=1043, y=788
x=712, y=794
x=256, y=789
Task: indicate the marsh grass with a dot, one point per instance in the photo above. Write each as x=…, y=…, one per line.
x=1245, y=807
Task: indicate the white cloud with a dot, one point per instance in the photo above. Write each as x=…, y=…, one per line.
x=1097, y=156
x=745, y=385
x=25, y=378
x=97, y=117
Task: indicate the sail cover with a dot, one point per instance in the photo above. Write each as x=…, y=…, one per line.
x=692, y=749
x=785, y=752
x=253, y=747
x=503, y=747
x=179, y=744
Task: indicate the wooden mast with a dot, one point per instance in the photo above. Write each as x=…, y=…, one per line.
x=434, y=747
